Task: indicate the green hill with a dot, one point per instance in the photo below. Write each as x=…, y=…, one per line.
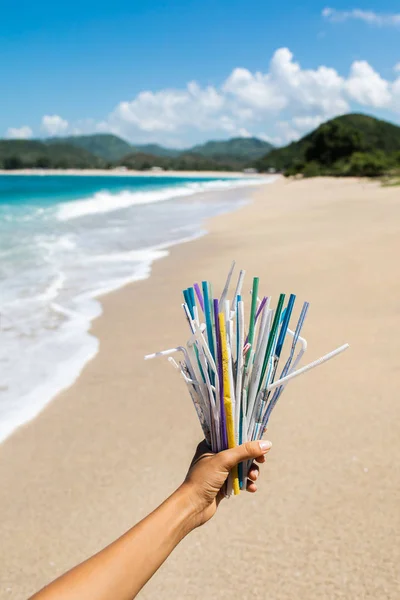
x=239, y=152
x=20, y=154
x=113, y=148
x=333, y=143
x=352, y=144
x=155, y=150
x=186, y=161
x=241, y=149
x=107, y=146
x=57, y=154
x=227, y=155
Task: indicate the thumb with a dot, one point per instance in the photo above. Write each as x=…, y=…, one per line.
x=247, y=451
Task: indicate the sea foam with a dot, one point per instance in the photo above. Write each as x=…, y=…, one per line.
x=104, y=201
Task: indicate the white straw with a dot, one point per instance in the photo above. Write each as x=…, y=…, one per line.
x=250, y=370
x=262, y=324
x=308, y=367
x=256, y=373
x=163, y=353
x=171, y=351
x=226, y=288
x=239, y=286
x=203, y=347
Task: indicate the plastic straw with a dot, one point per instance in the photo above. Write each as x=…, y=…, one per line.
x=226, y=287
x=271, y=339
x=252, y=313
x=228, y=399
x=238, y=290
x=230, y=378
x=207, y=313
x=308, y=367
x=220, y=376
x=199, y=296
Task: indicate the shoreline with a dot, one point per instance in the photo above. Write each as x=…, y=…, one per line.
x=116, y=443
x=72, y=370
x=67, y=373
x=133, y=173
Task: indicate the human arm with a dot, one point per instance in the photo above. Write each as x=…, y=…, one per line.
x=120, y=570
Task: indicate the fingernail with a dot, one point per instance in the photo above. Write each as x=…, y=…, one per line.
x=265, y=445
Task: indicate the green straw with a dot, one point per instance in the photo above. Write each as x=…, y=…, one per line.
x=252, y=315
x=271, y=338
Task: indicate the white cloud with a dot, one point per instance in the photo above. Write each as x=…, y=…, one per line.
x=288, y=133
x=275, y=140
x=308, y=90
x=279, y=104
x=255, y=91
x=244, y=133
x=367, y=87
x=170, y=110
x=285, y=132
x=285, y=86
x=307, y=123
x=243, y=102
x=19, y=133
x=396, y=95
x=396, y=68
x=54, y=125
x=367, y=16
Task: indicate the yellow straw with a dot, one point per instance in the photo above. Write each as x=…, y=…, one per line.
x=230, y=428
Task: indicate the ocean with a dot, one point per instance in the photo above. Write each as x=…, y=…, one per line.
x=64, y=241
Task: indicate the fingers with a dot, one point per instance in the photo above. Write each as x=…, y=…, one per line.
x=247, y=451
x=254, y=472
x=260, y=459
x=251, y=487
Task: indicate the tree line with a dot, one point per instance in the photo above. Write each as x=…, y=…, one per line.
x=352, y=145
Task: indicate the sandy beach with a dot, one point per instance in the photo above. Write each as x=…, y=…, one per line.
x=325, y=523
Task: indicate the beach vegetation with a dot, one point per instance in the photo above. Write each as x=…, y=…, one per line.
x=187, y=161
x=244, y=149
x=351, y=145
x=106, y=146
x=106, y=151
x=29, y=154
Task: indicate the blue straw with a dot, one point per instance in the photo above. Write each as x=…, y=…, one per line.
x=285, y=325
x=188, y=301
x=207, y=314
x=192, y=299
x=286, y=368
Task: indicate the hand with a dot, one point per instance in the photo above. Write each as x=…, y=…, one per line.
x=208, y=473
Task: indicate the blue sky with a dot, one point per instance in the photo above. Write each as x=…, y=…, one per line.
x=179, y=72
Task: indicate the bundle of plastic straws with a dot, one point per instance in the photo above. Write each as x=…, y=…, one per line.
x=234, y=367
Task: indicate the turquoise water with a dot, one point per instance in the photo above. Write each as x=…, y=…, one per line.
x=64, y=241
x=48, y=189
